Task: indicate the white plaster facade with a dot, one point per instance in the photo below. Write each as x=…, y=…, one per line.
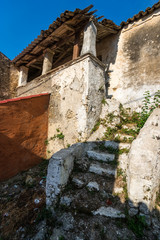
x=77, y=90
x=132, y=60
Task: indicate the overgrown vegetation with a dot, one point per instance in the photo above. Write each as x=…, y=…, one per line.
x=96, y=126
x=149, y=105
x=136, y=223
x=128, y=123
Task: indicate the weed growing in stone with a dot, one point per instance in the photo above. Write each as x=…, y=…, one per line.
x=60, y=136
x=110, y=133
x=103, y=101
x=119, y=172
x=110, y=117
x=148, y=106
x=131, y=132
x=136, y=223
x=46, y=142
x=96, y=126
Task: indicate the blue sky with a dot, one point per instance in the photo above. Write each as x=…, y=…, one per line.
x=22, y=20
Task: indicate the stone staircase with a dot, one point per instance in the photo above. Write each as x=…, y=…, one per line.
x=88, y=204
x=87, y=185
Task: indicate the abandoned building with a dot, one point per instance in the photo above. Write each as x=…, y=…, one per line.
x=57, y=86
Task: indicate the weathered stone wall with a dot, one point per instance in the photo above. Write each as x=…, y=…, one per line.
x=77, y=90
x=14, y=76
x=23, y=131
x=8, y=78
x=132, y=60
x=4, y=76
x=144, y=163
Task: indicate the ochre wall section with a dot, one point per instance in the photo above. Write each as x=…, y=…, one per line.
x=23, y=131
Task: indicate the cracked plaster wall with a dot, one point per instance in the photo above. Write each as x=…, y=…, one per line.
x=132, y=60
x=77, y=90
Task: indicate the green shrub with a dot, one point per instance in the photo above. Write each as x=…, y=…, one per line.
x=148, y=106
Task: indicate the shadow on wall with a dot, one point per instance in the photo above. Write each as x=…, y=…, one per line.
x=23, y=131
x=110, y=60
x=108, y=49
x=15, y=158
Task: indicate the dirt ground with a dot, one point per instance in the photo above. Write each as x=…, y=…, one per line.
x=22, y=203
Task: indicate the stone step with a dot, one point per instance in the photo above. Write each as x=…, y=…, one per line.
x=124, y=145
x=81, y=180
x=97, y=169
x=116, y=145
x=109, y=212
x=99, y=156
x=111, y=144
x=124, y=137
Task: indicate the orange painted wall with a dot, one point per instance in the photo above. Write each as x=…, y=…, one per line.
x=23, y=131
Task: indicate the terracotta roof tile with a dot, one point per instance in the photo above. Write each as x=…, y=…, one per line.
x=141, y=14
x=57, y=23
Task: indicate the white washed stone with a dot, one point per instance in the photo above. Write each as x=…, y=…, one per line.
x=47, y=62
x=143, y=208
x=111, y=106
x=133, y=211
x=94, y=168
x=23, y=76
x=109, y=212
x=59, y=169
x=89, y=39
x=124, y=145
x=111, y=144
x=78, y=182
x=93, y=186
x=118, y=190
x=105, y=157
x=123, y=161
x=65, y=201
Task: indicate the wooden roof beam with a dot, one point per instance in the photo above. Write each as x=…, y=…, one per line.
x=69, y=27
x=35, y=66
x=34, y=60
x=61, y=56
x=49, y=50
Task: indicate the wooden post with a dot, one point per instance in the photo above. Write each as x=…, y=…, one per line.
x=76, y=48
